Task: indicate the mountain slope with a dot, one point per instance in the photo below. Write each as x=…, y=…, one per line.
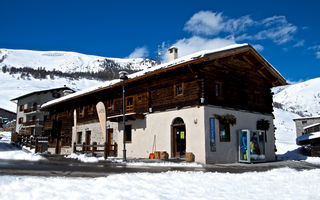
x=68, y=61
x=301, y=98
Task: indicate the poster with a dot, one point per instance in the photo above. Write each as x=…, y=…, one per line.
x=212, y=134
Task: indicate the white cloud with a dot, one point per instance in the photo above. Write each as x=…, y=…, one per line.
x=139, y=52
x=258, y=47
x=276, y=28
x=191, y=45
x=299, y=43
x=211, y=23
x=318, y=54
x=205, y=22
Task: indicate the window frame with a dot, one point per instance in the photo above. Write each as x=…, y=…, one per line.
x=130, y=107
x=218, y=89
x=176, y=90
x=226, y=128
x=20, y=120
x=21, y=108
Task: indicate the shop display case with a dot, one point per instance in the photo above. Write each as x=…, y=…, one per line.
x=251, y=146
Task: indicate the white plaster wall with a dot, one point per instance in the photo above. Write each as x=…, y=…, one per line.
x=227, y=152
x=158, y=126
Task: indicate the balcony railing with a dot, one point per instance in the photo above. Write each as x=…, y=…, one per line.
x=32, y=109
x=33, y=123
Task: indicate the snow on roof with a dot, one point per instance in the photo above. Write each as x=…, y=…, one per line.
x=312, y=125
x=304, y=118
x=306, y=137
x=40, y=91
x=175, y=62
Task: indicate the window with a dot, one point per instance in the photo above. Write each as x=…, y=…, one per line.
x=139, y=99
x=128, y=133
x=178, y=89
x=20, y=120
x=79, y=137
x=304, y=122
x=81, y=112
x=110, y=104
x=21, y=108
x=34, y=118
x=34, y=107
x=129, y=103
x=224, y=132
x=90, y=109
x=218, y=92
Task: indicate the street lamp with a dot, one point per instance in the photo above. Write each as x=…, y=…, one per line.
x=123, y=76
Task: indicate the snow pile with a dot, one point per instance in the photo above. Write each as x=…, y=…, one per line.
x=164, y=164
x=282, y=183
x=9, y=152
x=301, y=98
x=87, y=158
x=66, y=61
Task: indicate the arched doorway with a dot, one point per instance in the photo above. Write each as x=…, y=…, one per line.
x=178, y=137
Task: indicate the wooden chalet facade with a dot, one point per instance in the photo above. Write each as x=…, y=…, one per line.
x=169, y=107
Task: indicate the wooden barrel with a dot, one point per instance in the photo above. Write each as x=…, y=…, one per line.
x=164, y=155
x=157, y=155
x=189, y=157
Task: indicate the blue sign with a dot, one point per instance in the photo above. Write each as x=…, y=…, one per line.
x=212, y=134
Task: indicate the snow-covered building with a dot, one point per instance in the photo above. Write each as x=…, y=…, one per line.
x=29, y=118
x=197, y=104
x=306, y=125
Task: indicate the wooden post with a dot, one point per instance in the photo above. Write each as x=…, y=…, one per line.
x=74, y=148
x=105, y=150
x=83, y=148
x=36, y=146
x=94, y=148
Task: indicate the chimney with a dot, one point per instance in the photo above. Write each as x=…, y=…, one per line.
x=173, y=53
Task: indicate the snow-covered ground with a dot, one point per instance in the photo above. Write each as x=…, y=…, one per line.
x=10, y=152
x=282, y=183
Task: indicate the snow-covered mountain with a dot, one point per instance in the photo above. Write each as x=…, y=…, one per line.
x=67, y=61
x=301, y=98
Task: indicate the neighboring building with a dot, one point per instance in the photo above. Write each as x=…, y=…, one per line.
x=6, y=115
x=197, y=103
x=29, y=118
x=306, y=124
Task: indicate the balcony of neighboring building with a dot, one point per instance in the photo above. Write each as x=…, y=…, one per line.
x=33, y=123
x=32, y=109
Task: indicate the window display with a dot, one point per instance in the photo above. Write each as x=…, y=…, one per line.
x=251, y=145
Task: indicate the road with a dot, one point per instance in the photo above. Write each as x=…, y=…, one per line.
x=60, y=166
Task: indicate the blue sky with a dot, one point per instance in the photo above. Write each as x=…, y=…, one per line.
x=285, y=32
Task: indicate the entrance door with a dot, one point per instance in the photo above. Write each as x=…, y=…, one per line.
x=56, y=134
x=88, y=139
x=109, y=137
x=178, y=138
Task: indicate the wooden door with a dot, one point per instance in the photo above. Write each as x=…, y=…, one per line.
x=88, y=139
x=179, y=140
x=109, y=137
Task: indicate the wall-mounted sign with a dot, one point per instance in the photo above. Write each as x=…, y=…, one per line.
x=212, y=135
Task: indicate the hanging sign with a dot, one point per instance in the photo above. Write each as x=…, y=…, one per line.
x=101, y=110
x=212, y=135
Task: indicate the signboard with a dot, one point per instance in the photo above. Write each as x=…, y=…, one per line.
x=101, y=110
x=212, y=134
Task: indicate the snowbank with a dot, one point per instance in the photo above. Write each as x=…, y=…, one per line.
x=10, y=152
x=282, y=183
x=87, y=158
